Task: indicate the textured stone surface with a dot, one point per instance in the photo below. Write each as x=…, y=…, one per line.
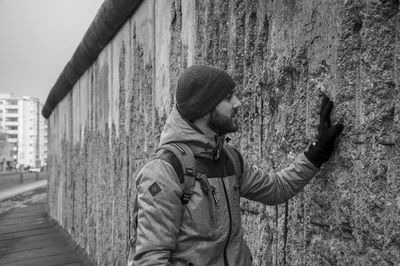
x=283, y=55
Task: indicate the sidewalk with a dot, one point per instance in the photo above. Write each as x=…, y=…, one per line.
x=20, y=189
x=29, y=237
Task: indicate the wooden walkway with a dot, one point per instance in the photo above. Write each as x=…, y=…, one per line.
x=29, y=237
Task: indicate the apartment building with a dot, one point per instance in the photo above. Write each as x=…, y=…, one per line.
x=25, y=128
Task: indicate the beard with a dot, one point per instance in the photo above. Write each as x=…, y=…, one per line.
x=222, y=124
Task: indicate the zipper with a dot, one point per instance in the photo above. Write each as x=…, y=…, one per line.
x=230, y=224
x=215, y=195
x=235, y=188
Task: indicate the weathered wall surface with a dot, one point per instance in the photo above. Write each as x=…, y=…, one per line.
x=283, y=56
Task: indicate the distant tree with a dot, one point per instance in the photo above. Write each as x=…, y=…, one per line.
x=5, y=148
x=3, y=136
x=3, y=143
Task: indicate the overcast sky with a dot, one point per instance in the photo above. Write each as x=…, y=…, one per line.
x=37, y=39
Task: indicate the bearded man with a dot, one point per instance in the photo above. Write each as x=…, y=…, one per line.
x=200, y=224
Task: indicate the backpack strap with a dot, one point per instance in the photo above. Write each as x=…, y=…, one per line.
x=188, y=165
x=235, y=159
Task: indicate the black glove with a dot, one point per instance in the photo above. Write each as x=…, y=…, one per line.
x=320, y=151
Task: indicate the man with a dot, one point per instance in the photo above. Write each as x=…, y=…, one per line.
x=205, y=229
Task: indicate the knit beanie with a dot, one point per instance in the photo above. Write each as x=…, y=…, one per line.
x=200, y=88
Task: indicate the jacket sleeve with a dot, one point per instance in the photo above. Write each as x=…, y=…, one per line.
x=159, y=213
x=276, y=188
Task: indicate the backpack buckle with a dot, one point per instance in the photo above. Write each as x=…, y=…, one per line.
x=189, y=172
x=185, y=198
x=205, y=186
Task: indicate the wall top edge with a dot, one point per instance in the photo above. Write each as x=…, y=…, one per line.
x=110, y=17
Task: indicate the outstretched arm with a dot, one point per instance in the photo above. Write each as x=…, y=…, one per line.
x=276, y=188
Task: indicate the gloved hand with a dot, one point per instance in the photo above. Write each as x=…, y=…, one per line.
x=320, y=151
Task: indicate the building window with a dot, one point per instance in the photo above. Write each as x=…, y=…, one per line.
x=12, y=111
x=12, y=127
x=12, y=136
x=12, y=102
x=11, y=119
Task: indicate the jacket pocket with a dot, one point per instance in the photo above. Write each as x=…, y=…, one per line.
x=201, y=213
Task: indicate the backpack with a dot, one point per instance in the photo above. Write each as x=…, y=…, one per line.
x=184, y=165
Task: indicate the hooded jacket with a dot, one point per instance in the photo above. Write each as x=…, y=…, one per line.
x=207, y=230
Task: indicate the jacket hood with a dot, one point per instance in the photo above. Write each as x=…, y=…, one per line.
x=177, y=129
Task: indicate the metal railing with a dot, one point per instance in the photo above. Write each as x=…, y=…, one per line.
x=8, y=180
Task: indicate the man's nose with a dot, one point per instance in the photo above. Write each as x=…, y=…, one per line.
x=236, y=103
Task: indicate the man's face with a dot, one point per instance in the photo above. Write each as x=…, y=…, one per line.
x=223, y=117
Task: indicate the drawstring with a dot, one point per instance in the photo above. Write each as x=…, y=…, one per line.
x=219, y=140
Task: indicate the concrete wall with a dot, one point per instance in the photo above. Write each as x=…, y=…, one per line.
x=283, y=55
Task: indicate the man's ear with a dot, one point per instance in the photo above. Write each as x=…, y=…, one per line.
x=207, y=116
x=202, y=124
x=203, y=119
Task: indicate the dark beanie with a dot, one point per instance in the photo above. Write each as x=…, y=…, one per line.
x=200, y=89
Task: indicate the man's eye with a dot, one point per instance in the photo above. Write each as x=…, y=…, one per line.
x=229, y=96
